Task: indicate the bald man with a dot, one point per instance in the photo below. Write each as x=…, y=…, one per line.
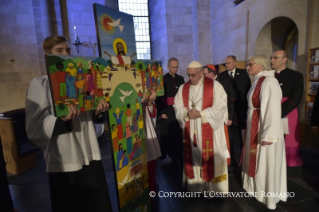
x=201, y=110
x=291, y=83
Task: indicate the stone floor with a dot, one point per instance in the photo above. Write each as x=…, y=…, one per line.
x=34, y=196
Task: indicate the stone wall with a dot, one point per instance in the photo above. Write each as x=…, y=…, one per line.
x=207, y=30
x=315, y=25
x=23, y=26
x=19, y=56
x=172, y=31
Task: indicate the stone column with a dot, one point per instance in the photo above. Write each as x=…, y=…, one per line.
x=202, y=31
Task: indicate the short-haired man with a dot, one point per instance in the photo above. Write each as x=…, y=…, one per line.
x=171, y=134
x=71, y=151
x=201, y=110
x=210, y=72
x=291, y=83
x=242, y=84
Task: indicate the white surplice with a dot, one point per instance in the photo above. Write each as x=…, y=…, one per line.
x=153, y=150
x=62, y=153
x=216, y=116
x=271, y=173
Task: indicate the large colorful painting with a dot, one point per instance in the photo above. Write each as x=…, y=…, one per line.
x=123, y=82
x=77, y=81
x=116, y=37
x=151, y=72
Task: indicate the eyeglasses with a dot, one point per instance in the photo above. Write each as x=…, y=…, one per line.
x=250, y=64
x=275, y=58
x=193, y=75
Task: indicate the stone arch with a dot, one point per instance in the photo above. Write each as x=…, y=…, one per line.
x=279, y=33
x=291, y=12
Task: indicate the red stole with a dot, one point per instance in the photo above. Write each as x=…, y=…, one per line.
x=154, y=111
x=119, y=57
x=254, y=128
x=207, y=135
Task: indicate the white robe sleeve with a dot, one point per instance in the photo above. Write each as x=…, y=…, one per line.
x=270, y=115
x=39, y=118
x=217, y=114
x=180, y=110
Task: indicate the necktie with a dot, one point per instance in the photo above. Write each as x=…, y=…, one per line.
x=231, y=74
x=277, y=74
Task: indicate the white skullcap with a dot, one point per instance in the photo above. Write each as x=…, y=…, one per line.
x=195, y=64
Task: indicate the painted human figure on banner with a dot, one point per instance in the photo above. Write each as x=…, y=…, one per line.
x=70, y=82
x=120, y=49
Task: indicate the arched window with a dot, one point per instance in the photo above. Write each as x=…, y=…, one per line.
x=140, y=12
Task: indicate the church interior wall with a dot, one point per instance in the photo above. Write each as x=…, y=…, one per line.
x=207, y=30
x=23, y=26
x=172, y=31
x=315, y=25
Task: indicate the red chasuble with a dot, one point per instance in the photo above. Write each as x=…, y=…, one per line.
x=207, y=135
x=254, y=128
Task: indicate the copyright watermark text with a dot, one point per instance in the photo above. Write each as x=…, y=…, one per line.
x=213, y=194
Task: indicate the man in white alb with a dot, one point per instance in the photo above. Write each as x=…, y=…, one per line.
x=201, y=110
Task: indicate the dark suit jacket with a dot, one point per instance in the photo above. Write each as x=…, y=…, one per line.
x=231, y=96
x=315, y=111
x=242, y=84
x=291, y=83
x=171, y=86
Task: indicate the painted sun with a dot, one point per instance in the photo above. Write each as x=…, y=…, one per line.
x=104, y=20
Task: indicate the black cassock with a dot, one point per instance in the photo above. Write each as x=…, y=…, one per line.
x=291, y=83
x=171, y=141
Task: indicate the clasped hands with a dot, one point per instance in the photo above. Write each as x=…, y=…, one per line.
x=73, y=111
x=149, y=100
x=193, y=114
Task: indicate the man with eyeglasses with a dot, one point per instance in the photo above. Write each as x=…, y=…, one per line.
x=201, y=110
x=171, y=142
x=242, y=84
x=291, y=83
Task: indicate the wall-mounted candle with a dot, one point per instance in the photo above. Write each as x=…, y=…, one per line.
x=75, y=32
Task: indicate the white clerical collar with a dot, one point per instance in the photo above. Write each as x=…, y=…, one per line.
x=256, y=77
x=278, y=72
x=200, y=82
x=173, y=75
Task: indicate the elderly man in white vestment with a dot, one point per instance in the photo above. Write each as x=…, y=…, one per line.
x=264, y=157
x=201, y=110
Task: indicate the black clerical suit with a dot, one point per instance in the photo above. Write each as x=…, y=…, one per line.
x=171, y=141
x=242, y=85
x=291, y=83
x=231, y=98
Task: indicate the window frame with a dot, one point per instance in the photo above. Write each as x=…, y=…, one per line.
x=149, y=29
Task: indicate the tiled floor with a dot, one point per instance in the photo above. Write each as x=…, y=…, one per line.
x=30, y=192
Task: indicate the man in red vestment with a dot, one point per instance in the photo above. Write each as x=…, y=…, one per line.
x=201, y=110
